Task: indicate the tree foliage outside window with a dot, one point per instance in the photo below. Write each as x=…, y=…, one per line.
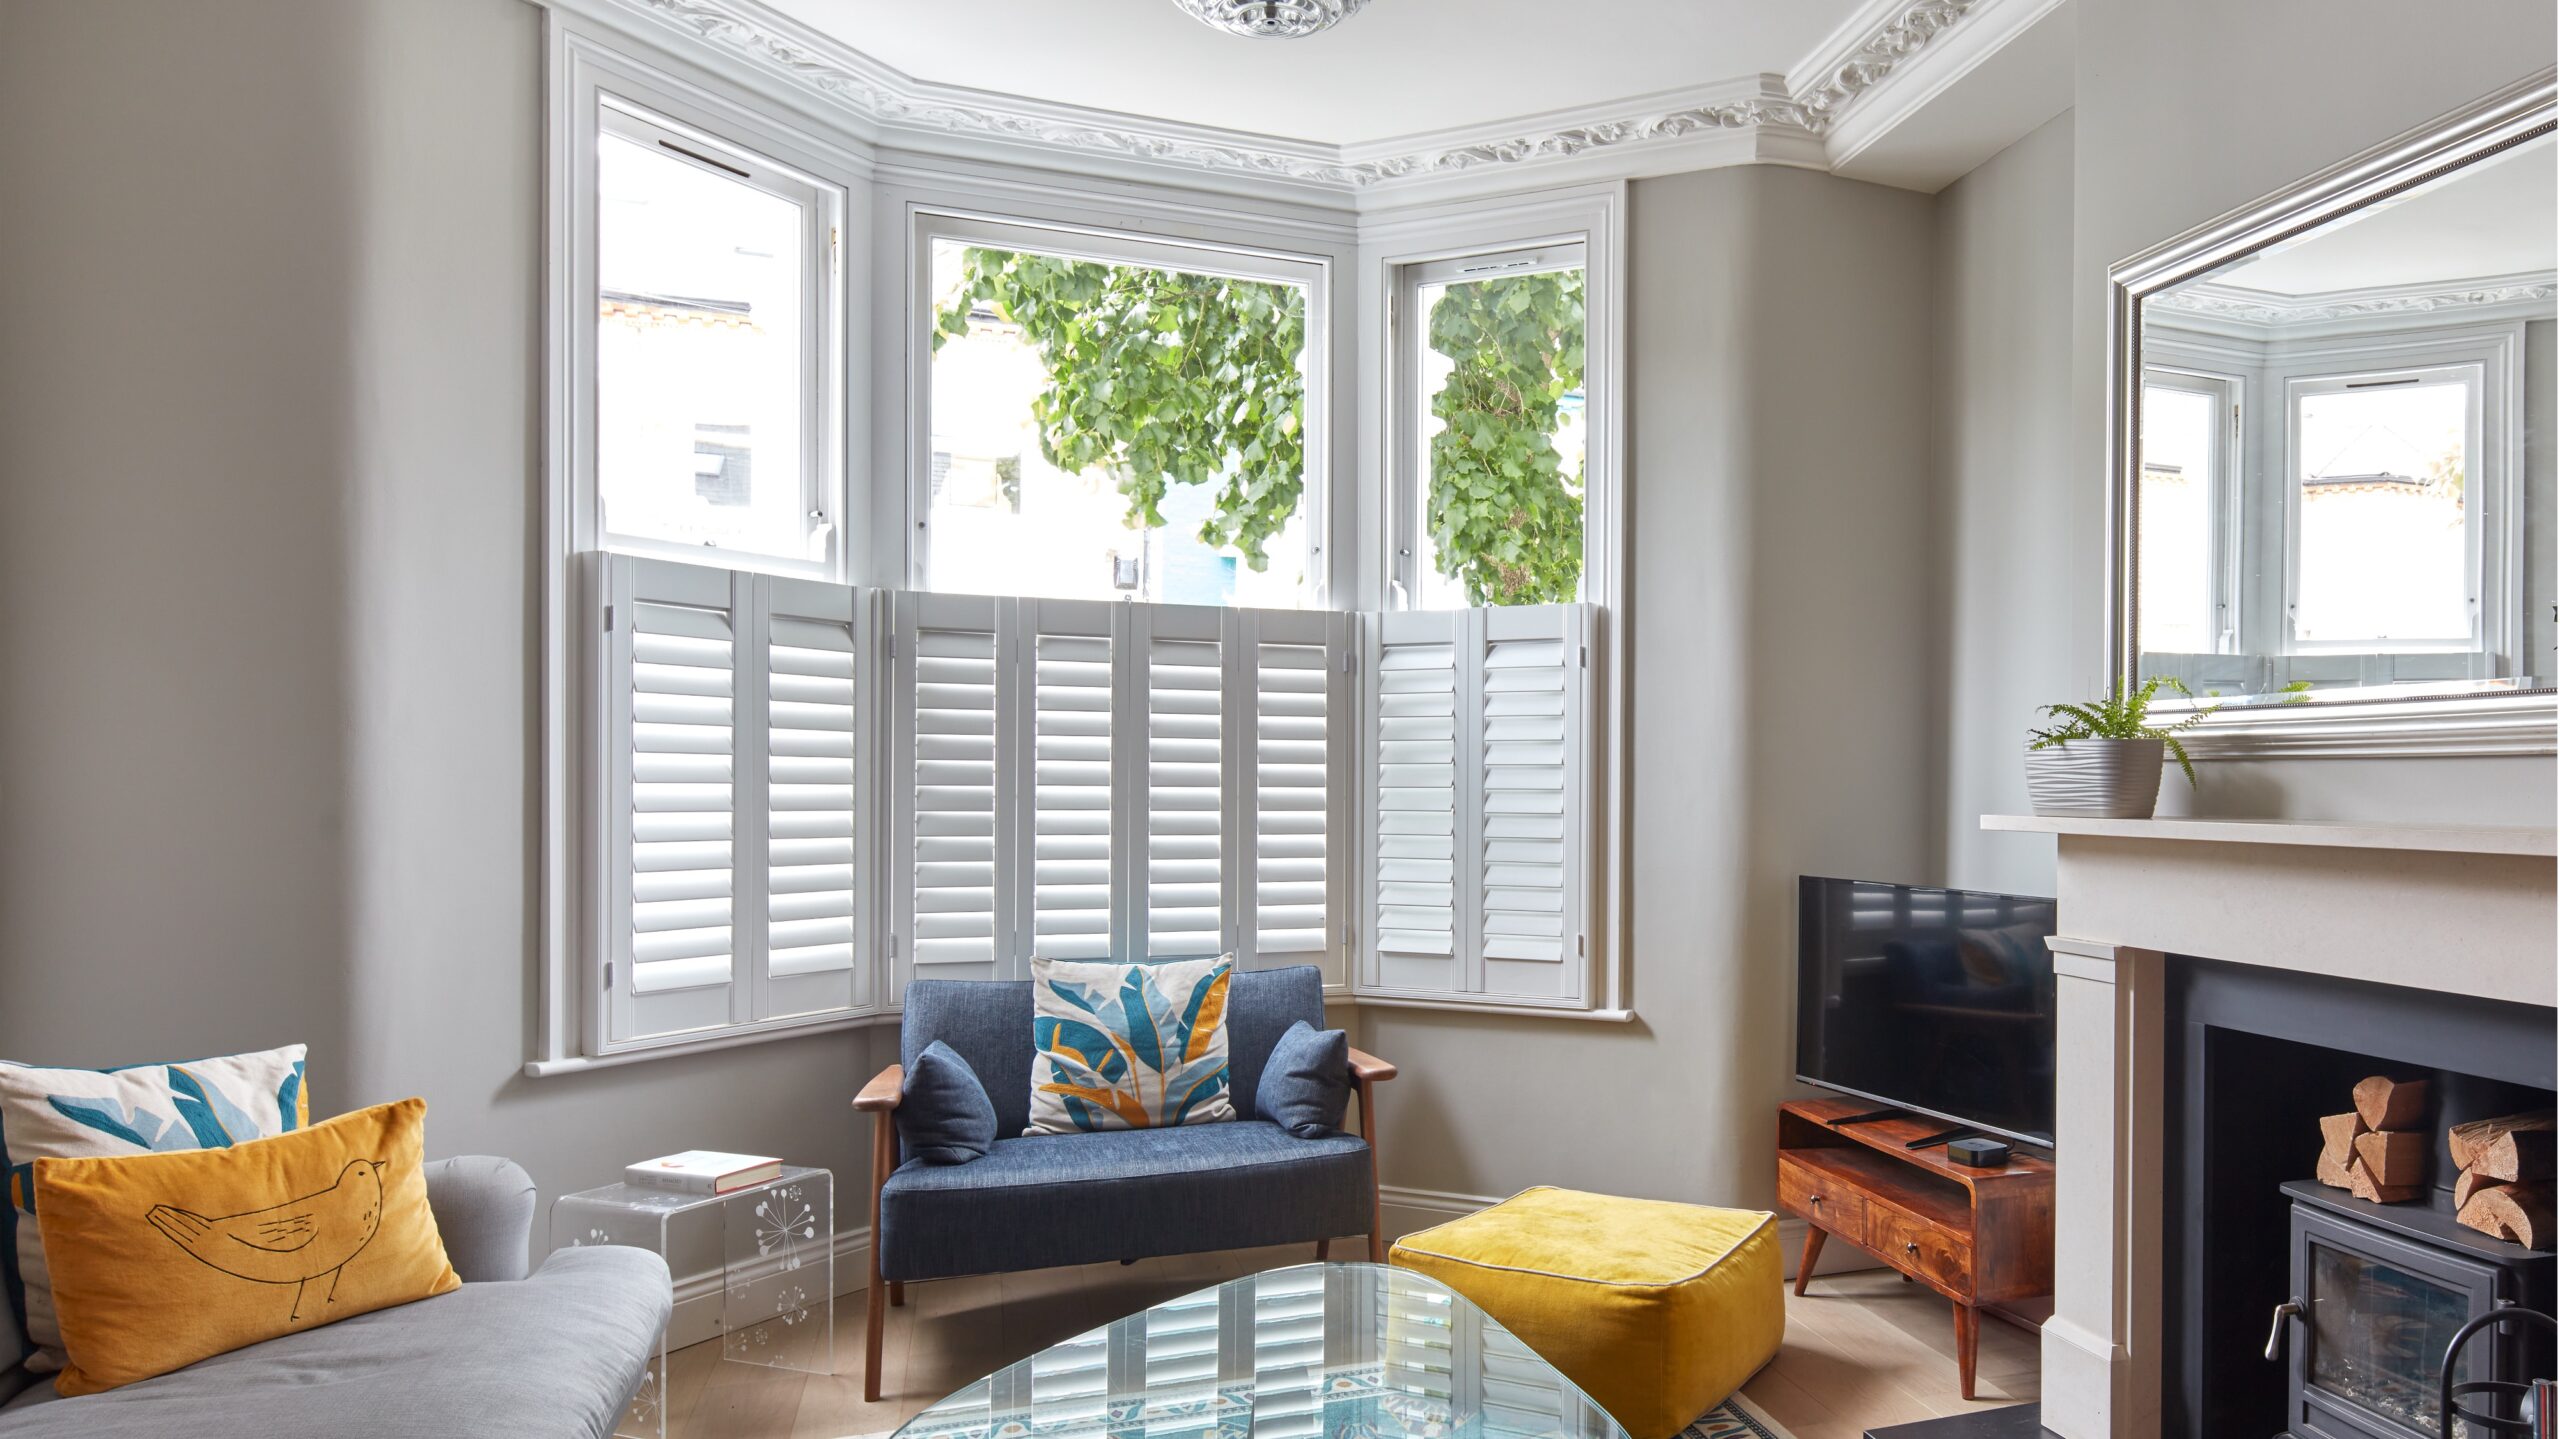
x=1168, y=378
x=1504, y=516
x=1162, y=378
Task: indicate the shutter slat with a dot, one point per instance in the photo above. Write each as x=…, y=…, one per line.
x=679, y=804
x=1071, y=723
x=954, y=782
x=1184, y=800
x=1290, y=798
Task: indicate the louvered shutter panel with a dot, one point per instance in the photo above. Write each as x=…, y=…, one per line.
x=1182, y=1359
x=1289, y=750
x=1288, y=1337
x=1180, y=900
x=1533, y=856
x=818, y=702
x=1479, y=731
x=1522, y=1395
x=1412, y=799
x=954, y=793
x=670, y=741
x=1069, y=646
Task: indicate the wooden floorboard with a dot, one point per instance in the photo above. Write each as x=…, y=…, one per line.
x=1863, y=1349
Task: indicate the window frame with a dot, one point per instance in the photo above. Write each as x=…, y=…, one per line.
x=2479, y=521
x=2226, y=499
x=1409, y=337
x=928, y=223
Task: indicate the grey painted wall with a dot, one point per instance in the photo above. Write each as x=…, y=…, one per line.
x=1782, y=702
x=2004, y=467
x=271, y=378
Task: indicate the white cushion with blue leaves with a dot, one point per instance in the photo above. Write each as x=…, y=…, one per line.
x=139, y=1109
x=1128, y=1046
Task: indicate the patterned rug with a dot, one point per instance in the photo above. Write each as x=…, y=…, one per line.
x=1735, y=1418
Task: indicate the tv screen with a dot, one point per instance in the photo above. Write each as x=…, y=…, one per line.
x=1934, y=1000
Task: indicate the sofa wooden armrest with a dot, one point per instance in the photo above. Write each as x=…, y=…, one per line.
x=1369, y=1069
x=882, y=1092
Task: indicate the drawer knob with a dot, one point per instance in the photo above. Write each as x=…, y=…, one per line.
x=1817, y=1199
x=1911, y=1247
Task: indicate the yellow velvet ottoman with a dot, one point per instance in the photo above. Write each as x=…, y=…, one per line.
x=1658, y=1311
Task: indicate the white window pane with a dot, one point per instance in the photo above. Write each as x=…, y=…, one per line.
x=2384, y=550
x=703, y=349
x=1521, y=337
x=1003, y=518
x=2176, y=562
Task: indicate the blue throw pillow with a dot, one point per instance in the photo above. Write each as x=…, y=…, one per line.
x=1306, y=1084
x=943, y=1113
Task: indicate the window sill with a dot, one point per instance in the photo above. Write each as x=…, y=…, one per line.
x=1517, y=1011
x=581, y=1063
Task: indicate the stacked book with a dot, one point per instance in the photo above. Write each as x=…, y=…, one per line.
x=704, y=1171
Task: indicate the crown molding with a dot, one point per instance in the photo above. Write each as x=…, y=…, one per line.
x=2529, y=295
x=1750, y=119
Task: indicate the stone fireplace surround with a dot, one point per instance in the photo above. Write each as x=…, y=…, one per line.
x=2466, y=912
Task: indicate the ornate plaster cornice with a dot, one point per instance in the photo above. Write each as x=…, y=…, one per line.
x=1854, y=63
x=2272, y=310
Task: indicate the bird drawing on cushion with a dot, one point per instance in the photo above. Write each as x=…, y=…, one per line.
x=293, y=1243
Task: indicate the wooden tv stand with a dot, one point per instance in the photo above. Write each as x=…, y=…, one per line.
x=1981, y=1237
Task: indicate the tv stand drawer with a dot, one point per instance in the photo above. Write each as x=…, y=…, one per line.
x=1821, y=1199
x=1922, y=1250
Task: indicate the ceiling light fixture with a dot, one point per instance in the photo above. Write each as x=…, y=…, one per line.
x=1281, y=19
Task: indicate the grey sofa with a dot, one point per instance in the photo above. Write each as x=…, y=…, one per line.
x=555, y=1354
x=1127, y=1194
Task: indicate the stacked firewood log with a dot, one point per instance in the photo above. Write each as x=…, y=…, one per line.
x=2505, y=1181
x=2376, y=1149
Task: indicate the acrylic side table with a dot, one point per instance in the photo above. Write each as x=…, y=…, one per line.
x=778, y=1265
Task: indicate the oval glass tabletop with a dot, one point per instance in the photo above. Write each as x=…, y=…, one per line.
x=1319, y=1351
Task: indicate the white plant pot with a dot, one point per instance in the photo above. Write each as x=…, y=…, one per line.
x=2096, y=778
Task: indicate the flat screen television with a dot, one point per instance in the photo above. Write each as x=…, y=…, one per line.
x=1933, y=1000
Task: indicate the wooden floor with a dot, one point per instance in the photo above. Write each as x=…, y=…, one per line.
x=1862, y=1349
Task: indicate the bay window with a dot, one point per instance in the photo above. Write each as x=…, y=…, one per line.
x=1070, y=671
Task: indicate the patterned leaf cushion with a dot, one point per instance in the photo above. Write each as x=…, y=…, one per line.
x=160, y=1260
x=1128, y=1046
x=139, y=1109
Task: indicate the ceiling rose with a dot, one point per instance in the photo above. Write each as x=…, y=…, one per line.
x=1284, y=19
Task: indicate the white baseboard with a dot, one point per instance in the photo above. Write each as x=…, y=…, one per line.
x=1402, y=1211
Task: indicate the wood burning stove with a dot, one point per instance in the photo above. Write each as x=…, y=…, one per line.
x=2379, y=1291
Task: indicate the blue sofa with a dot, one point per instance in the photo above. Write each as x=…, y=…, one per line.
x=1127, y=1194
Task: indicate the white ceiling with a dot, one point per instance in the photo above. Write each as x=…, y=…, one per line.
x=1400, y=67
x=2491, y=219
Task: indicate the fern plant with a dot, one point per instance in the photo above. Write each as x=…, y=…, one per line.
x=2123, y=714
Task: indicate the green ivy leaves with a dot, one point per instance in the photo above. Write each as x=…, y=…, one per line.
x=1167, y=378
x=1504, y=516
x=1161, y=377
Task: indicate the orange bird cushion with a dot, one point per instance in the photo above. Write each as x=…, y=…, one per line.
x=160, y=1260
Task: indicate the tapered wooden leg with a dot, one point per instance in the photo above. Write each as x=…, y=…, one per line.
x=1369, y=1132
x=875, y=1296
x=1968, y=1330
x=1323, y=1247
x=897, y=1294
x=1813, y=1237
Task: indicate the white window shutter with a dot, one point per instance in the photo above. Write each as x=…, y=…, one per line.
x=819, y=697
x=1477, y=738
x=1533, y=856
x=1069, y=647
x=667, y=877
x=953, y=791
x=1290, y=717
x=1179, y=904
x=1411, y=801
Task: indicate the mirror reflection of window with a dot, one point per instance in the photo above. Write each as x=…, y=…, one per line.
x=2385, y=542
x=2180, y=460
x=2344, y=472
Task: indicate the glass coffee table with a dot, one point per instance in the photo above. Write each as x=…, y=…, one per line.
x=1320, y=1351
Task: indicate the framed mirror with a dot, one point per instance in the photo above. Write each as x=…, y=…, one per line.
x=2332, y=493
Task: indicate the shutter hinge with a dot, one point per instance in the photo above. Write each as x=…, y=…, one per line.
x=608, y=619
x=1346, y=662
x=1578, y=945
x=893, y=946
x=608, y=974
x=893, y=644
x=1586, y=656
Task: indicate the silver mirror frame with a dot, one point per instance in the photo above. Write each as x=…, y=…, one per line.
x=2466, y=723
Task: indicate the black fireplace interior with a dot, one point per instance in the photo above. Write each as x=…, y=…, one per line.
x=2255, y=1057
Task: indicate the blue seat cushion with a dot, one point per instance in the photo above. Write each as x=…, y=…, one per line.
x=1122, y=1194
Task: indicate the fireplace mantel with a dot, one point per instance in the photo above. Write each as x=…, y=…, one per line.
x=2455, y=909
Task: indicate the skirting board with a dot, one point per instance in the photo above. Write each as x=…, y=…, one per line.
x=1402, y=1211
